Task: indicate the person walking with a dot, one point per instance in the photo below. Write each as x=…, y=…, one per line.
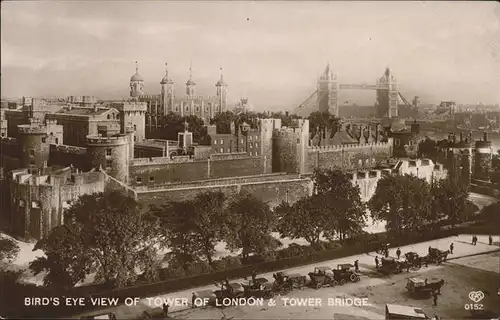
x=430, y=248
x=254, y=275
x=398, y=253
x=435, y=298
x=451, y=248
x=490, y=240
x=387, y=253
x=356, y=266
x=376, y=262
x=473, y=239
x=193, y=299
x=165, y=309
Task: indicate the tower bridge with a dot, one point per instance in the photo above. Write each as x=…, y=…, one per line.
x=327, y=94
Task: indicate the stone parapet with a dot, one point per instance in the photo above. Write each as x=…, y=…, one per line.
x=68, y=149
x=349, y=147
x=31, y=129
x=116, y=140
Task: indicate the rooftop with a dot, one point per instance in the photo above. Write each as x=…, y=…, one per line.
x=82, y=111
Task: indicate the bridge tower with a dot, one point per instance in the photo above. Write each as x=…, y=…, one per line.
x=328, y=92
x=387, y=96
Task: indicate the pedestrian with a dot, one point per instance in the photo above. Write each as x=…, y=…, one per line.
x=435, y=298
x=473, y=239
x=490, y=240
x=356, y=266
x=376, y=262
x=430, y=248
x=165, y=309
x=387, y=253
x=254, y=275
x=426, y=281
x=451, y=248
x=398, y=253
x=227, y=282
x=193, y=299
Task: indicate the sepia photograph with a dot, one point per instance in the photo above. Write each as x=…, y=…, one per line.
x=250, y=160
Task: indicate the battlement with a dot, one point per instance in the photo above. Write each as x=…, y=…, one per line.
x=350, y=147
x=67, y=149
x=113, y=140
x=200, y=98
x=32, y=128
x=9, y=140
x=51, y=122
x=160, y=160
x=129, y=106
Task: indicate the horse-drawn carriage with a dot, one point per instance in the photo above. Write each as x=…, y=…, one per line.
x=322, y=276
x=414, y=260
x=287, y=282
x=258, y=288
x=436, y=256
x=390, y=265
x=344, y=273
x=383, y=248
x=230, y=290
x=418, y=286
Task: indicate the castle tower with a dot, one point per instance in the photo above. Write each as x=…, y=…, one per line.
x=134, y=113
x=167, y=92
x=387, y=96
x=136, y=84
x=459, y=158
x=483, y=158
x=221, y=93
x=130, y=133
x=328, y=91
x=111, y=154
x=190, y=84
x=34, y=148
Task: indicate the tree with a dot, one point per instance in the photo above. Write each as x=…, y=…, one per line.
x=172, y=124
x=9, y=249
x=178, y=234
x=197, y=127
x=209, y=222
x=322, y=121
x=251, y=224
x=107, y=233
x=344, y=201
x=490, y=214
x=450, y=200
x=307, y=218
x=223, y=122
x=428, y=149
x=195, y=227
x=404, y=202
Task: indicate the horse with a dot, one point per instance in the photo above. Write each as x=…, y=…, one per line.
x=436, y=286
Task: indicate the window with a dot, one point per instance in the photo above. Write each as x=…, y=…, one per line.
x=151, y=179
x=32, y=162
x=221, y=150
x=135, y=138
x=256, y=153
x=215, y=141
x=187, y=108
x=241, y=140
x=44, y=139
x=250, y=153
x=360, y=162
x=135, y=127
x=108, y=152
x=221, y=141
x=57, y=140
x=138, y=179
x=228, y=150
x=35, y=204
x=109, y=163
x=256, y=144
x=108, y=116
x=396, y=142
x=177, y=109
x=3, y=134
x=250, y=138
x=21, y=203
x=197, y=109
x=251, y=145
x=32, y=152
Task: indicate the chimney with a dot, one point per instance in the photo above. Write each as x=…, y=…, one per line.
x=485, y=136
x=461, y=137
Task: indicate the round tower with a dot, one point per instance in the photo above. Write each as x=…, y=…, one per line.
x=221, y=87
x=34, y=150
x=136, y=84
x=110, y=154
x=130, y=133
x=482, y=159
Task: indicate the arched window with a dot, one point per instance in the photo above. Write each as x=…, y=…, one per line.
x=108, y=116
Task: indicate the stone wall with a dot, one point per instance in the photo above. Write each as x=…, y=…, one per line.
x=273, y=191
x=348, y=157
x=144, y=173
x=62, y=155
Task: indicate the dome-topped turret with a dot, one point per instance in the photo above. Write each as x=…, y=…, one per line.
x=221, y=81
x=190, y=82
x=136, y=76
x=166, y=79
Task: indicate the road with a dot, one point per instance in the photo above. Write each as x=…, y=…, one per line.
x=462, y=243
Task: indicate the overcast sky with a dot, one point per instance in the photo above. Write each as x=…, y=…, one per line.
x=271, y=52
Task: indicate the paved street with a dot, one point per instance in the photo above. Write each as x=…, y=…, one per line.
x=463, y=247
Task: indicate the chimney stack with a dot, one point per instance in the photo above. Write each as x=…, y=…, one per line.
x=485, y=136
